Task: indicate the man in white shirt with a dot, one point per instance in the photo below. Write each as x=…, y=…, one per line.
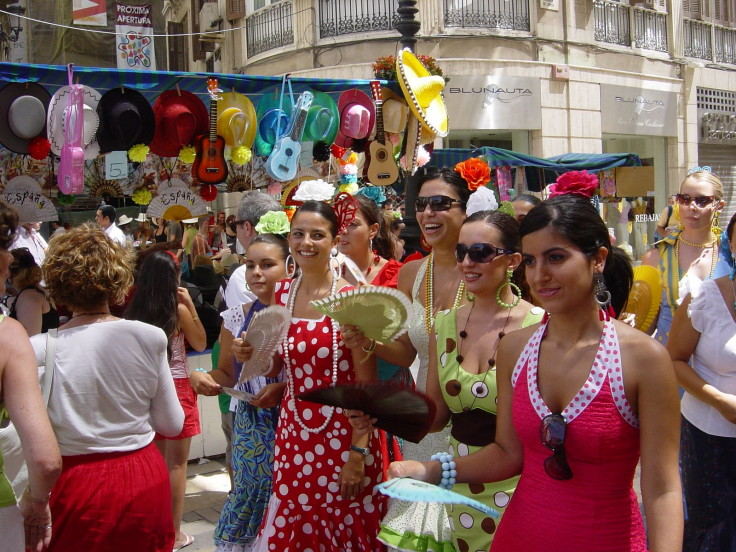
x=105, y=217
x=28, y=236
x=253, y=205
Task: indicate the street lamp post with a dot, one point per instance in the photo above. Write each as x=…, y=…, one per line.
x=408, y=27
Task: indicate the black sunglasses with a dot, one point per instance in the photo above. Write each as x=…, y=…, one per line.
x=554, y=428
x=700, y=201
x=480, y=252
x=436, y=203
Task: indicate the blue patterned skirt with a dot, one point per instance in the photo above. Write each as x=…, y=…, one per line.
x=254, y=436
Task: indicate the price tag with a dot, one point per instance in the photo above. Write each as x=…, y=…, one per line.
x=116, y=165
x=305, y=157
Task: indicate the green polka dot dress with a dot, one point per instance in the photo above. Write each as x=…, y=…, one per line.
x=473, y=396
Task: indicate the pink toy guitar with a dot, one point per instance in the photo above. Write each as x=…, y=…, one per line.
x=70, y=177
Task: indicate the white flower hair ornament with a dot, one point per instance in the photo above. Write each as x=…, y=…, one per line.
x=316, y=190
x=482, y=199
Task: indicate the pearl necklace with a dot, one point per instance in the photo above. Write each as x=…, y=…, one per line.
x=429, y=295
x=285, y=344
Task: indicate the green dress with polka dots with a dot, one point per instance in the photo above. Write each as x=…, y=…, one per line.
x=471, y=399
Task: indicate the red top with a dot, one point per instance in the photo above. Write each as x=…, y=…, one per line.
x=388, y=275
x=596, y=510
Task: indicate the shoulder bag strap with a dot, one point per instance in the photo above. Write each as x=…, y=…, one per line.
x=48, y=374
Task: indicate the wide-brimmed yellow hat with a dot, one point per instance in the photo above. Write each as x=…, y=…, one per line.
x=645, y=296
x=236, y=119
x=423, y=92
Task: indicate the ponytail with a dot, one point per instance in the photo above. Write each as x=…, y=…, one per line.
x=619, y=277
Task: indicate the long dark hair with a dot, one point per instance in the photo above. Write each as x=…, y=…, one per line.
x=322, y=209
x=382, y=243
x=273, y=239
x=506, y=225
x=154, y=300
x=575, y=218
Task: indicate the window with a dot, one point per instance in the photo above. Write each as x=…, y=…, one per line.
x=235, y=9
x=178, y=46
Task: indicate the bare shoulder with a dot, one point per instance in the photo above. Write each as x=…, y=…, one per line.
x=640, y=352
x=12, y=337
x=514, y=342
x=407, y=274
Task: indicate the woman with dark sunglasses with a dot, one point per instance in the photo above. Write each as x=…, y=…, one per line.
x=434, y=284
x=689, y=255
x=581, y=398
x=462, y=358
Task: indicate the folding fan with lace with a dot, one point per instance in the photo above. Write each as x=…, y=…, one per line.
x=267, y=329
x=412, y=490
x=380, y=312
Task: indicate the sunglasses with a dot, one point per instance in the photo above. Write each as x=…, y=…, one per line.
x=700, y=201
x=554, y=428
x=480, y=252
x=436, y=203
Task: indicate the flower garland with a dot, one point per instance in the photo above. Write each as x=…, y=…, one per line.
x=291, y=299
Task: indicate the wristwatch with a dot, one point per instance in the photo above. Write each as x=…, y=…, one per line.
x=361, y=450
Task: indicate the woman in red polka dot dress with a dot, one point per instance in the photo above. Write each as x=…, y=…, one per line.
x=323, y=478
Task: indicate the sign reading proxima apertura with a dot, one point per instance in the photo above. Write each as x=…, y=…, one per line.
x=134, y=40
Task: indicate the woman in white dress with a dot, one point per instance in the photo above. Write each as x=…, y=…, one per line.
x=433, y=284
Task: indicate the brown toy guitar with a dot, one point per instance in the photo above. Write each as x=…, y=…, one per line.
x=382, y=170
x=210, y=166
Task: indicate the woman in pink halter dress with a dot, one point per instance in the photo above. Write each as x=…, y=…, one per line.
x=581, y=398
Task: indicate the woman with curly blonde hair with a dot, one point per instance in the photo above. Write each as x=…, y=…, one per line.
x=112, y=390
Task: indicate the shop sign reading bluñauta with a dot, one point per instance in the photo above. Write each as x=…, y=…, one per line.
x=494, y=102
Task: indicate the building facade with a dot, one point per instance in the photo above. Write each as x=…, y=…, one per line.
x=546, y=77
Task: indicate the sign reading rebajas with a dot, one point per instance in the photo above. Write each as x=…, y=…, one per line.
x=134, y=40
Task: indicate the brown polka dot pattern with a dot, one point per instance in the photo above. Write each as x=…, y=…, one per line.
x=453, y=388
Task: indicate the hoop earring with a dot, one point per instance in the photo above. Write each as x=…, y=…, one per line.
x=290, y=266
x=335, y=264
x=515, y=291
x=602, y=296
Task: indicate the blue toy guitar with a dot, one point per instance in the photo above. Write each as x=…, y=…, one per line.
x=283, y=162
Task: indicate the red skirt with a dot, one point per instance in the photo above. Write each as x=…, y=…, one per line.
x=110, y=502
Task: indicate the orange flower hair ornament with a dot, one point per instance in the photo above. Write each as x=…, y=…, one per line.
x=475, y=171
x=580, y=183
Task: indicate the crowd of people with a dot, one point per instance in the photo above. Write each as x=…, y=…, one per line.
x=547, y=399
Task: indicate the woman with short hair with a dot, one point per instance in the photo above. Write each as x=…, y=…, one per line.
x=112, y=390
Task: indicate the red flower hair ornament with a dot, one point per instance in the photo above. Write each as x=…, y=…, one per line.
x=581, y=183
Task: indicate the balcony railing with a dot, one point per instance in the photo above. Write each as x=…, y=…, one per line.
x=697, y=39
x=725, y=45
x=270, y=27
x=612, y=23
x=488, y=14
x=618, y=23
x=341, y=17
x=650, y=29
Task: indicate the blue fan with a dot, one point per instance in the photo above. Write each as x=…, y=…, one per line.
x=413, y=490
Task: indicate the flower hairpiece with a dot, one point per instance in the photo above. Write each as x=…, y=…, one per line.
x=374, y=193
x=345, y=207
x=704, y=168
x=273, y=222
x=482, y=199
x=580, y=183
x=475, y=171
x=316, y=190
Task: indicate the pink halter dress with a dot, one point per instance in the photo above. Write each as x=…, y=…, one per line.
x=596, y=510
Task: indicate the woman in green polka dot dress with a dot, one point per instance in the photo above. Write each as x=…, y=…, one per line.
x=462, y=377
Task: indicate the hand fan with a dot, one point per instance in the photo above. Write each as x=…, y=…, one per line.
x=644, y=297
x=380, y=312
x=398, y=409
x=238, y=394
x=412, y=490
x=267, y=329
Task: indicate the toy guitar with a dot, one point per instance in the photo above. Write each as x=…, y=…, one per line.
x=70, y=178
x=283, y=162
x=210, y=167
x=382, y=170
